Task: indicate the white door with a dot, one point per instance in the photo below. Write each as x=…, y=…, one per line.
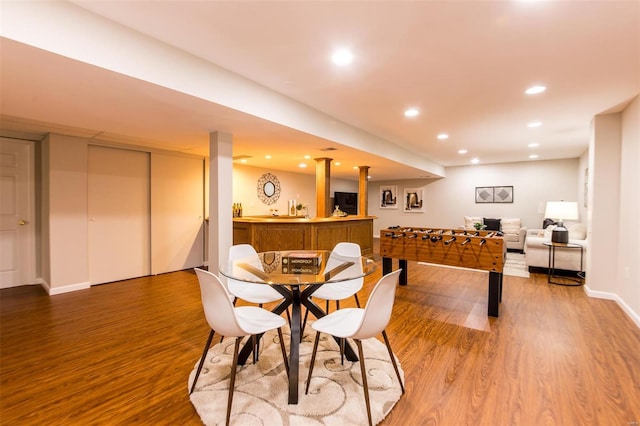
x=177, y=209
x=119, y=232
x=17, y=213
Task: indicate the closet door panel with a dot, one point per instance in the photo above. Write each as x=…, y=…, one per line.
x=177, y=211
x=119, y=208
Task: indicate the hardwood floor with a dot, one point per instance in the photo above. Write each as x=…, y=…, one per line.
x=121, y=353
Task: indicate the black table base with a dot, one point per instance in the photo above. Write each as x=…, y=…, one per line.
x=295, y=298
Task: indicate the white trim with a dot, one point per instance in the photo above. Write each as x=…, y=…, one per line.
x=613, y=296
x=65, y=289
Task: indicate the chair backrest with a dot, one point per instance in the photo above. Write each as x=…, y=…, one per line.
x=218, y=308
x=243, y=251
x=346, y=250
x=377, y=313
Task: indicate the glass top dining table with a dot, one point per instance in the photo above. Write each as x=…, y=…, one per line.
x=296, y=275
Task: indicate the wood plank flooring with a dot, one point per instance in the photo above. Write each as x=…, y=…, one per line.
x=121, y=353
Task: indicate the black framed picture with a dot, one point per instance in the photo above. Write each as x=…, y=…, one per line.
x=484, y=194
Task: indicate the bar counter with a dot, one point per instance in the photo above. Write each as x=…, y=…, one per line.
x=275, y=233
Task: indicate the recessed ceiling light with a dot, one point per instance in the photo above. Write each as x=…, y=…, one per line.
x=306, y=157
x=268, y=157
x=342, y=57
x=534, y=90
x=462, y=151
x=475, y=160
x=337, y=163
x=411, y=112
x=355, y=167
x=533, y=156
x=534, y=124
x=244, y=160
x=302, y=165
x=533, y=145
x=443, y=136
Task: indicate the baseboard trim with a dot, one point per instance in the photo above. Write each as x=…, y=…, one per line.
x=65, y=289
x=613, y=296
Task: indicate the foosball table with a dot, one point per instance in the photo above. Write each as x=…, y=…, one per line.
x=482, y=250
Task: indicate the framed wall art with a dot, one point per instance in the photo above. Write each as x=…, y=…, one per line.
x=494, y=194
x=413, y=200
x=484, y=194
x=388, y=196
x=503, y=194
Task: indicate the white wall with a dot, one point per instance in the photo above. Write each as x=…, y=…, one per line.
x=628, y=287
x=614, y=180
x=448, y=200
x=293, y=186
x=63, y=237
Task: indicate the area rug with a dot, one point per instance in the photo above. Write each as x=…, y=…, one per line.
x=335, y=396
x=516, y=265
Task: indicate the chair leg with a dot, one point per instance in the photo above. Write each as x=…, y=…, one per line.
x=233, y=377
x=202, y=358
x=342, y=341
x=254, y=344
x=284, y=352
x=337, y=305
x=393, y=359
x=304, y=323
x=313, y=360
x=365, y=385
x=357, y=301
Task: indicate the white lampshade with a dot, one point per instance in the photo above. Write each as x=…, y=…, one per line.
x=561, y=210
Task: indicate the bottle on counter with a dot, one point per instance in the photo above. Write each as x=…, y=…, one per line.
x=240, y=210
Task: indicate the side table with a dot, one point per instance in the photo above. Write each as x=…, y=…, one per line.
x=551, y=274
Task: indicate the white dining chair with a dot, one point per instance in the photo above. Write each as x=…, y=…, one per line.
x=232, y=321
x=252, y=293
x=358, y=324
x=341, y=290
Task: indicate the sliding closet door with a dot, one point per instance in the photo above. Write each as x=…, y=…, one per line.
x=119, y=212
x=177, y=212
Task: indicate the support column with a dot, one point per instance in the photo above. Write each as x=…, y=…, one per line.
x=363, y=189
x=220, y=198
x=323, y=185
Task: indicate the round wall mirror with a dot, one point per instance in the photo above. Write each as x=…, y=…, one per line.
x=268, y=188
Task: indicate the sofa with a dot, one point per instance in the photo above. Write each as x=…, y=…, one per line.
x=514, y=233
x=537, y=254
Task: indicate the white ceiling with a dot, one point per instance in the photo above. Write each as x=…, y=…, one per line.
x=463, y=64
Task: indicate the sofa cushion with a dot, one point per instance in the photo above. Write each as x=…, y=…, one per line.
x=491, y=224
x=511, y=237
x=578, y=231
x=511, y=225
x=470, y=221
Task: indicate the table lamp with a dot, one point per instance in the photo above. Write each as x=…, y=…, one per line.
x=560, y=211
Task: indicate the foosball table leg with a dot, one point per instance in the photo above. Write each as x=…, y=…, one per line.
x=387, y=265
x=495, y=290
x=403, y=274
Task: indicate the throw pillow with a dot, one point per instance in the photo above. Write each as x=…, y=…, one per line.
x=548, y=231
x=491, y=224
x=577, y=231
x=510, y=225
x=547, y=222
x=470, y=221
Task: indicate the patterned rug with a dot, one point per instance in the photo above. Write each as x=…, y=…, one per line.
x=335, y=396
x=516, y=265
